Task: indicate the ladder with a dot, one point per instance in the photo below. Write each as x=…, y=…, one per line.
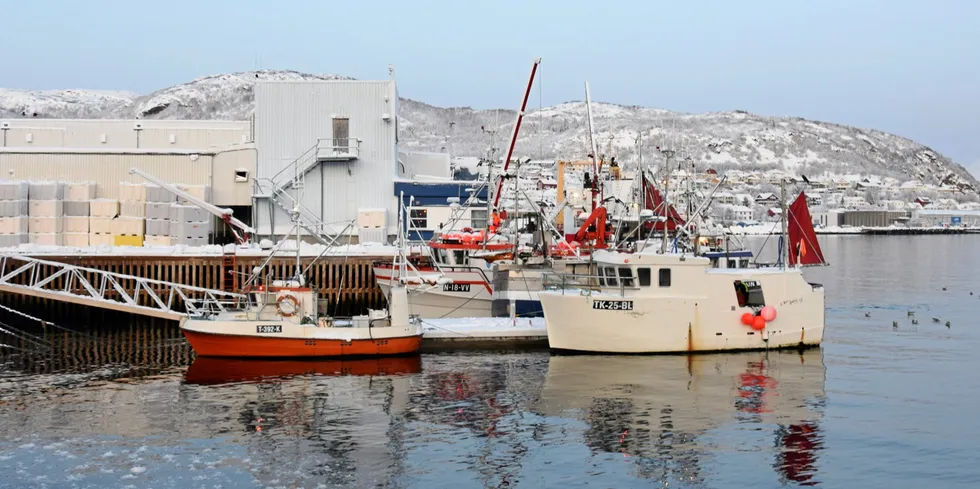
x=229, y=272
x=63, y=282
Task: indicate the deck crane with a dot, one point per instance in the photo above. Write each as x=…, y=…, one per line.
x=241, y=230
x=513, y=138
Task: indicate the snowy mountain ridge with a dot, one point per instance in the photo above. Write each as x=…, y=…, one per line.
x=720, y=140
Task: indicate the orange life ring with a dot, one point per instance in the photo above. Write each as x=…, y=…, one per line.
x=294, y=305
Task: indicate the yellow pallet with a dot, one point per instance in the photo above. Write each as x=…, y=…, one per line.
x=127, y=240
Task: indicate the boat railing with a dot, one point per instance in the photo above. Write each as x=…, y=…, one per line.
x=586, y=282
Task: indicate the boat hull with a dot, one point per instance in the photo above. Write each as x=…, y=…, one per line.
x=222, y=345
x=700, y=322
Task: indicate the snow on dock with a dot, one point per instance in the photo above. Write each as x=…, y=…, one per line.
x=502, y=331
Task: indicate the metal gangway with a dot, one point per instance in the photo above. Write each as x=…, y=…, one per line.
x=58, y=281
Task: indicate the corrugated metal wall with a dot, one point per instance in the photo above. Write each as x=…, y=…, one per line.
x=226, y=189
x=289, y=119
x=107, y=170
x=88, y=133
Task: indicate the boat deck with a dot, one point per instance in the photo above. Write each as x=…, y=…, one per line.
x=483, y=332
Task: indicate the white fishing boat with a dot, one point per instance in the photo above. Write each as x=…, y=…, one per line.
x=657, y=302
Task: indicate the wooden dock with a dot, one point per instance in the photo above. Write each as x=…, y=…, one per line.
x=346, y=285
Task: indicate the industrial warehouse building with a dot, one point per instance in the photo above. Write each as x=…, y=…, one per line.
x=326, y=148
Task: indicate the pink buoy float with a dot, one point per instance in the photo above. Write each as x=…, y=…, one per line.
x=768, y=313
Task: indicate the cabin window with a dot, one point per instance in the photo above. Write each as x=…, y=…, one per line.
x=643, y=274
x=731, y=263
x=749, y=293
x=664, y=277
x=743, y=263
x=714, y=263
x=602, y=279
x=478, y=218
x=611, y=277
x=626, y=276
x=460, y=257
x=420, y=218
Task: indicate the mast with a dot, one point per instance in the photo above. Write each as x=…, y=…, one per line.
x=513, y=136
x=784, y=253
x=595, y=166
x=667, y=153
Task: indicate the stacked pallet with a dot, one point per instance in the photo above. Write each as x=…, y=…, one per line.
x=189, y=225
x=158, y=202
x=46, y=211
x=77, y=207
x=202, y=192
x=14, y=222
x=101, y=214
x=129, y=228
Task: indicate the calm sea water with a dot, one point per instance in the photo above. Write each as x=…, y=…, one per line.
x=876, y=406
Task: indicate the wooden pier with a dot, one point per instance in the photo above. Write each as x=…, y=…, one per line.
x=346, y=285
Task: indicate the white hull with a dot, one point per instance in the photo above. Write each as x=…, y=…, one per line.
x=698, y=313
x=428, y=303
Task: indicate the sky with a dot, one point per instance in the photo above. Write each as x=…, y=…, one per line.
x=907, y=67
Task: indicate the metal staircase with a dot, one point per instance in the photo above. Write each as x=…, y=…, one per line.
x=97, y=288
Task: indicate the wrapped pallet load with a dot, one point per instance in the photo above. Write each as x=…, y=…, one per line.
x=46, y=212
x=128, y=227
x=189, y=225
x=158, y=202
x=14, y=211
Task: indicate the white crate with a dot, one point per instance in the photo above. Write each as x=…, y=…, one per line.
x=189, y=229
x=13, y=240
x=79, y=191
x=42, y=190
x=100, y=225
x=46, y=239
x=14, y=189
x=75, y=224
x=77, y=208
x=159, y=194
x=188, y=241
x=156, y=241
x=14, y=208
x=158, y=227
x=46, y=208
x=104, y=208
x=132, y=192
x=46, y=225
x=129, y=226
x=158, y=210
x=75, y=239
x=188, y=213
x=14, y=225
x=202, y=192
x=100, y=239
x=132, y=209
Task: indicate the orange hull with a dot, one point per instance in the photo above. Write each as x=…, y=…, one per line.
x=211, y=370
x=218, y=345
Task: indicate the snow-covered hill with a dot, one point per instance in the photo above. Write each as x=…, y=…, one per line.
x=720, y=140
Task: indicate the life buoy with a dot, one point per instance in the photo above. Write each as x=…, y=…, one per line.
x=291, y=309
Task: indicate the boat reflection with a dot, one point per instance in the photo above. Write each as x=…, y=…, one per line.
x=654, y=409
x=212, y=370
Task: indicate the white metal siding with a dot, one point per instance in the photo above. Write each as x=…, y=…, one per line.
x=225, y=190
x=88, y=133
x=291, y=116
x=106, y=170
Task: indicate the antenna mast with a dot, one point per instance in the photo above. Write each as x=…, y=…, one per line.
x=595, y=165
x=513, y=137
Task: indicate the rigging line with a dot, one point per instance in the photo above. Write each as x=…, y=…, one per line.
x=22, y=336
x=45, y=323
x=446, y=329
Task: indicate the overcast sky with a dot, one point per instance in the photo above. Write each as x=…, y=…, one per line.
x=907, y=67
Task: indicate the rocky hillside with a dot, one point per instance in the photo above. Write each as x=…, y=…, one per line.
x=720, y=140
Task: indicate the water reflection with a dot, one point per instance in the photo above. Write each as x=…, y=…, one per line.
x=209, y=370
x=655, y=410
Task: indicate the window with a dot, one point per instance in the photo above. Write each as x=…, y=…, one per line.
x=602, y=279
x=611, y=277
x=749, y=293
x=341, y=134
x=420, y=218
x=478, y=218
x=461, y=257
x=731, y=263
x=626, y=276
x=664, y=277
x=643, y=274
x=743, y=263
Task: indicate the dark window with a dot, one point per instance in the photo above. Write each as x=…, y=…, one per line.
x=611, y=277
x=743, y=263
x=420, y=218
x=602, y=279
x=731, y=263
x=461, y=257
x=626, y=276
x=341, y=134
x=749, y=293
x=664, y=276
x=643, y=274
